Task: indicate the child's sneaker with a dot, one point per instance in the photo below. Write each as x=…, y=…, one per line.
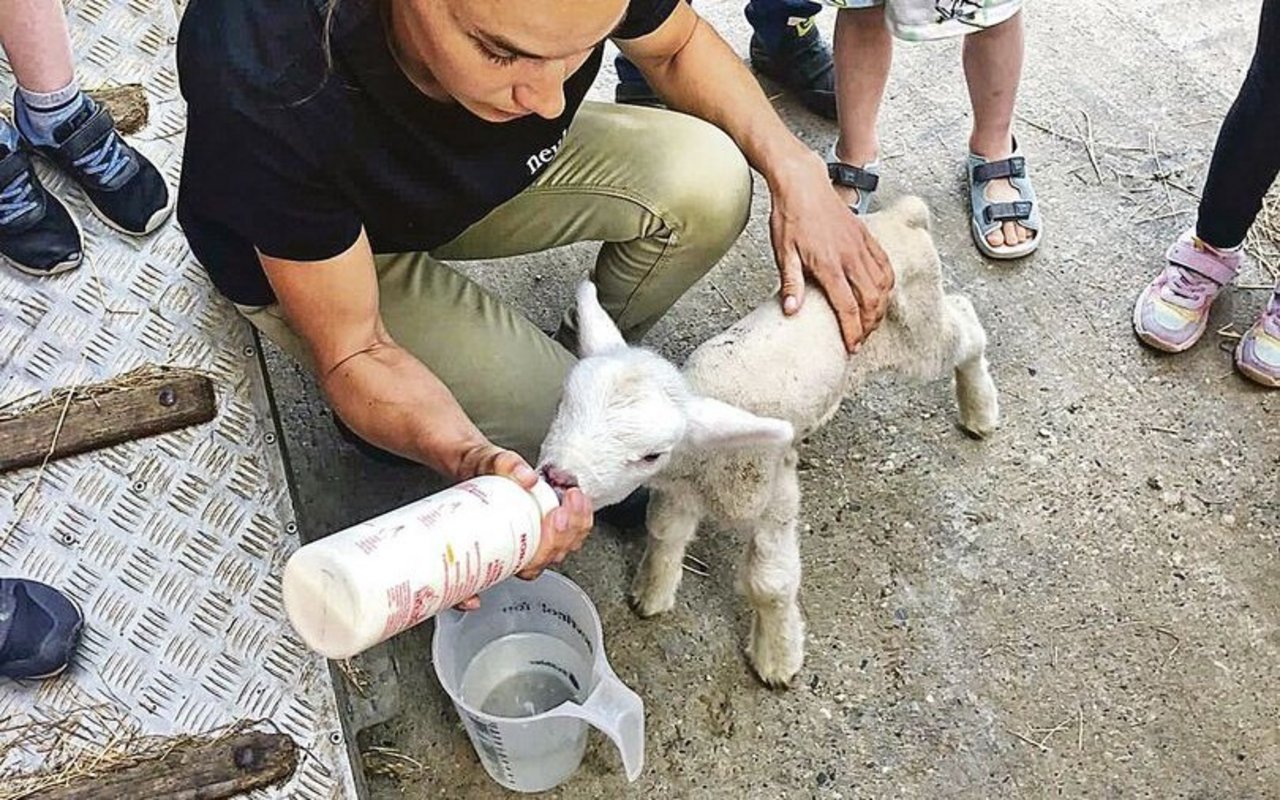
x=1258, y=354
x=1172, y=312
x=123, y=187
x=39, y=629
x=38, y=235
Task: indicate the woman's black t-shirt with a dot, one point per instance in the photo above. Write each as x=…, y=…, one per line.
x=290, y=153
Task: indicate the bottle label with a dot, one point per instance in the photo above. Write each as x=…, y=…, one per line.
x=446, y=548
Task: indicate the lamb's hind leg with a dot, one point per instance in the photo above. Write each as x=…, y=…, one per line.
x=976, y=394
x=770, y=579
x=671, y=523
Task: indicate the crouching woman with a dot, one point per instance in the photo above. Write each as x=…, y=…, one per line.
x=338, y=151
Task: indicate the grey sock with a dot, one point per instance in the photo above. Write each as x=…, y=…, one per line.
x=39, y=114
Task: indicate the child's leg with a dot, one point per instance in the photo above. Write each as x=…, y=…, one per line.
x=992, y=69
x=1172, y=312
x=37, y=234
x=863, y=55
x=1245, y=163
x=53, y=115
x=34, y=36
x=1246, y=158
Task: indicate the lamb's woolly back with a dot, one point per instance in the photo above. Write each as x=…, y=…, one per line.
x=795, y=368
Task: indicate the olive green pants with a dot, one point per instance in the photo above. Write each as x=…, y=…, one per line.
x=666, y=194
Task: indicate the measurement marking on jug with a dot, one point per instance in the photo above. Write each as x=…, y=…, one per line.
x=552, y=665
x=489, y=737
x=569, y=620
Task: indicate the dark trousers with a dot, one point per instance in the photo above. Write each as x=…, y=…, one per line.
x=768, y=19
x=1246, y=157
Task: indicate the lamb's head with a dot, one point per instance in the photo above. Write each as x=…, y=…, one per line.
x=625, y=411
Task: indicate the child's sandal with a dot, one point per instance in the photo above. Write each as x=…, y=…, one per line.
x=988, y=215
x=866, y=179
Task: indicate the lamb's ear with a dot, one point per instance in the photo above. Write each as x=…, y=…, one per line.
x=719, y=425
x=596, y=331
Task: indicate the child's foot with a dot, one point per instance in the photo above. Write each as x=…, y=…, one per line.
x=123, y=187
x=802, y=64
x=1258, y=354
x=854, y=184
x=1172, y=312
x=1005, y=213
x=39, y=628
x=37, y=234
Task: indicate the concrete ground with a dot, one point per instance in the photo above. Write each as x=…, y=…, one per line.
x=1085, y=605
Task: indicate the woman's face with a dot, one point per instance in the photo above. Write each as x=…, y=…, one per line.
x=501, y=59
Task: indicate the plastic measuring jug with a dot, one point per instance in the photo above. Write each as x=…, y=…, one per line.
x=528, y=673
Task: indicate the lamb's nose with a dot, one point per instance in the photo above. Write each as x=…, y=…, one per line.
x=559, y=479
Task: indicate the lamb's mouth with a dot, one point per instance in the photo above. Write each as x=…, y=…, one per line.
x=559, y=487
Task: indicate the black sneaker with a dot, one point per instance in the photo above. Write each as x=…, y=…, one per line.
x=38, y=235
x=39, y=629
x=123, y=187
x=637, y=93
x=803, y=65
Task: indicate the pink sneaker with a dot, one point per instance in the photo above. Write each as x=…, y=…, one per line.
x=1258, y=354
x=1172, y=312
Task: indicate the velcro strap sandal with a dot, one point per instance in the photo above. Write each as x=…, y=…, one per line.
x=866, y=179
x=988, y=215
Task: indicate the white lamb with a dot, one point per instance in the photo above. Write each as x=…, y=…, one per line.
x=716, y=440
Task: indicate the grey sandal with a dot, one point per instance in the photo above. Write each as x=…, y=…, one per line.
x=866, y=179
x=988, y=215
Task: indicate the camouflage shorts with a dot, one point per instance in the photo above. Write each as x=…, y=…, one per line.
x=921, y=20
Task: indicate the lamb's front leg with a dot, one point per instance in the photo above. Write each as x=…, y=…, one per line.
x=671, y=521
x=976, y=394
x=770, y=579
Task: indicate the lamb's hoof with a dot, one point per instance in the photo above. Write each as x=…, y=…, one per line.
x=977, y=430
x=779, y=683
x=650, y=603
x=776, y=657
x=979, y=420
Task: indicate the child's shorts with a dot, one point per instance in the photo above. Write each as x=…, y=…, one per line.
x=922, y=20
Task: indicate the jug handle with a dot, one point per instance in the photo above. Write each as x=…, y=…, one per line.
x=617, y=712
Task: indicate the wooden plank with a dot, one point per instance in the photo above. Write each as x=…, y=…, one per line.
x=204, y=771
x=148, y=403
x=128, y=105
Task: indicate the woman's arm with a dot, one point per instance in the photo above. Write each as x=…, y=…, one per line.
x=378, y=388
x=392, y=399
x=812, y=231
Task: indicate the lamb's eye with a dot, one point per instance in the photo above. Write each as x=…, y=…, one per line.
x=651, y=458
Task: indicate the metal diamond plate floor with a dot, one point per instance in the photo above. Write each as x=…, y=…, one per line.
x=173, y=545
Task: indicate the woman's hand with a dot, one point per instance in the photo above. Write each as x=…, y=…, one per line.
x=564, y=530
x=815, y=235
